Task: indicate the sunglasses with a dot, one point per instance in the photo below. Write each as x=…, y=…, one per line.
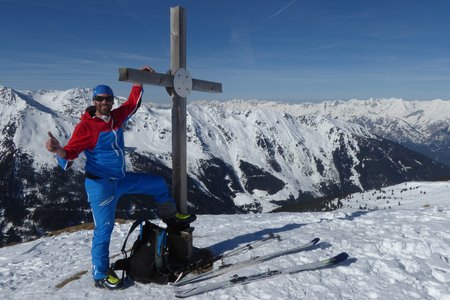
x=101, y=98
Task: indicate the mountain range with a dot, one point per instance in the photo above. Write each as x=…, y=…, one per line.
x=423, y=126
x=243, y=156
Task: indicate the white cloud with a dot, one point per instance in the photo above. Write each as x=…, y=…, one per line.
x=281, y=10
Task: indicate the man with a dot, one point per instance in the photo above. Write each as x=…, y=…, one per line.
x=100, y=135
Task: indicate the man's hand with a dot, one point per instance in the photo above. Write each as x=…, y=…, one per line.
x=53, y=146
x=147, y=68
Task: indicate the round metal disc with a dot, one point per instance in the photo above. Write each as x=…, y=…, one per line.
x=182, y=82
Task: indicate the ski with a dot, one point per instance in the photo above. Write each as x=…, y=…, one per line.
x=239, y=250
x=245, y=263
x=241, y=280
x=244, y=248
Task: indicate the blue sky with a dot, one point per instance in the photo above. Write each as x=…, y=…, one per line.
x=286, y=50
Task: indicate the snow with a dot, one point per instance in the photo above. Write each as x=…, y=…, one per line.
x=401, y=252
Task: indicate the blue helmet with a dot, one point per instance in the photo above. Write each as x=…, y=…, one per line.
x=102, y=89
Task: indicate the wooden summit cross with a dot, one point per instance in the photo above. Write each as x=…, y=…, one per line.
x=179, y=84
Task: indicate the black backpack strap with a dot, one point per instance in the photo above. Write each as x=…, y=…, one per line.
x=133, y=227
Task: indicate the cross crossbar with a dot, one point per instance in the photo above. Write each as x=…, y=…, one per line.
x=166, y=80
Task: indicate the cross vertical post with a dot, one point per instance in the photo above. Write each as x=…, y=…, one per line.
x=177, y=61
x=179, y=84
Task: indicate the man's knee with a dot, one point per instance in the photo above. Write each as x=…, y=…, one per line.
x=159, y=189
x=159, y=183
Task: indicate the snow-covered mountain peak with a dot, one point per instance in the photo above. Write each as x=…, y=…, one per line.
x=426, y=111
x=269, y=112
x=421, y=125
x=70, y=102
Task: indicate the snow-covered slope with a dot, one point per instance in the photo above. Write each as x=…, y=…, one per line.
x=423, y=126
x=410, y=195
x=395, y=253
x=423, y=115
x=26, y=117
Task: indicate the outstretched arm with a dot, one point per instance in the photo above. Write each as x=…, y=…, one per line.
x=129, y=107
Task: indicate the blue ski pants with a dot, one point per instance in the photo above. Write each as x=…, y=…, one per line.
x=103, y=196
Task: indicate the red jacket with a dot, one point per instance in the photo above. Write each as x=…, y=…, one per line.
x=101, y=141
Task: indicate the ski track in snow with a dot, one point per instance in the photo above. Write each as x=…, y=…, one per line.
x=398, y=253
